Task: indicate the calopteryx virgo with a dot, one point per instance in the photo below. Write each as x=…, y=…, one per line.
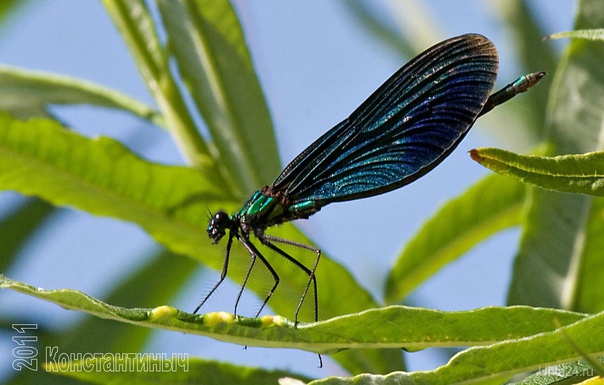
x=402, y=131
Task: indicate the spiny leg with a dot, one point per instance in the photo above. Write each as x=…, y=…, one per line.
x=254, y=252
x=249, y=271
x=223, y=274
x=268, y=240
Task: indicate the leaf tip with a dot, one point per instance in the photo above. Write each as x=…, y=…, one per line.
x=475, y=155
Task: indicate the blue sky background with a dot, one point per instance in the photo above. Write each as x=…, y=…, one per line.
x=315, y=65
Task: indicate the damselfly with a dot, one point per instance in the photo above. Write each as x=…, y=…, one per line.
x=402, y=131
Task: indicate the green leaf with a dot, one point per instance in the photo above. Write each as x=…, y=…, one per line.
x=560, y=256
x=596, y=34
x=594, y=363
x=489, y=206
x=133, y=20
x=208, y=43
x=391, y=327
x=27, y=94
x=135, y=23
x=40, y=158
x=496, y=363
x=579, y=174
x=171, y=370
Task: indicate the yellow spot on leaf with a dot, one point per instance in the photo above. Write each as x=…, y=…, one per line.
x=162, y=311
x=215, y=318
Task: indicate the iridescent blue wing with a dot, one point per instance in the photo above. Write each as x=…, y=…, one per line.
x=402, y=131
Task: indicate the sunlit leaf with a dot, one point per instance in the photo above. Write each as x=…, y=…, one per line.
x=391, y=327
x=136, y=25
x=587, y=34
x=27, y=94
x=579, y=174
x=497, y=363
x=208, y=43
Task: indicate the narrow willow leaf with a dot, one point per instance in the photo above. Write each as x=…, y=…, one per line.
x=135, y=23
x=391, y=327
x=27, y=94
x=560, y=255
x=212, y=56
x=496, y=363
x=579, y=174
x=40, y=158
x=177, y=369
x=594, y=363
x=596, y=34
x=493, y=204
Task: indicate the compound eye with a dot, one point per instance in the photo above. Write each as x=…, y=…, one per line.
x=221, y=219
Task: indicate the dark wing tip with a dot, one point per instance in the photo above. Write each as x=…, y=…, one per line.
x=478, y=41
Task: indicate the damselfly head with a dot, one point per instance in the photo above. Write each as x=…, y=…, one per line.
x=218, y=225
